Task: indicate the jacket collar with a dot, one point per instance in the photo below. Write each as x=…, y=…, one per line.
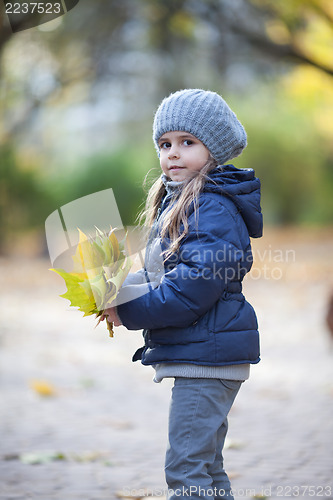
x=171, y=186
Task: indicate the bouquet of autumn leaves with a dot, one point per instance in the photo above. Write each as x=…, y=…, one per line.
x=100, y=268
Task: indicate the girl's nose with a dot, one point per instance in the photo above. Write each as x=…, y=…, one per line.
x=173, y=153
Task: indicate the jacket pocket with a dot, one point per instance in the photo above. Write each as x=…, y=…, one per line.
x=233, y=314
x=198, y=331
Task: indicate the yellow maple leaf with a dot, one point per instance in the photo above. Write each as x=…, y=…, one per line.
x=78, y=292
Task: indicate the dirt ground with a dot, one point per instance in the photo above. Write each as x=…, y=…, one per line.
x=79, y=420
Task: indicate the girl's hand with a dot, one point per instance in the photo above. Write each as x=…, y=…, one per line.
x=111, y=314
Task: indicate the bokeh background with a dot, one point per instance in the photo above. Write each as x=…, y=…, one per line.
x=77, y=97
x=78, y=94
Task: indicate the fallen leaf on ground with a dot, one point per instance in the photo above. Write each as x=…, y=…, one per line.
x=41, y=457
x=88, y=456
x=231, y=444
x=43, y=388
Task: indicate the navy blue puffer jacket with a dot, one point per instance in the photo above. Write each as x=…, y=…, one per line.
x=197, y=313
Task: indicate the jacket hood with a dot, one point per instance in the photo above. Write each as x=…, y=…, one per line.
x=243, y=188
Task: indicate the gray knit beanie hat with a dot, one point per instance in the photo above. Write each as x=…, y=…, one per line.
x=205, y=115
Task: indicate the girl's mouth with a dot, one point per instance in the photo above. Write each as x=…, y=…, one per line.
x=175, y=167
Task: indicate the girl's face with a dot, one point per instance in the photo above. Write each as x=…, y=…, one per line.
x=181, y=155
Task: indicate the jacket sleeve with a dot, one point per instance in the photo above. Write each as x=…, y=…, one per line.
x=135, y=285
x=208, y=258
x=137, y=278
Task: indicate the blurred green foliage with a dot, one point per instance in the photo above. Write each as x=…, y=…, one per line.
x=292, y=159
x=272, y=61
x=123, y=170
x=25, y=199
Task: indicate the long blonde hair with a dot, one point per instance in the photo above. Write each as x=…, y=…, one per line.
x=178, y=209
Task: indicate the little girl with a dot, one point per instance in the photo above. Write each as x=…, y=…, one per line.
x=198, y=327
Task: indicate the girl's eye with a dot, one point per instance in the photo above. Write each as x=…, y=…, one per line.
x=188, y=142
x=165, y=145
